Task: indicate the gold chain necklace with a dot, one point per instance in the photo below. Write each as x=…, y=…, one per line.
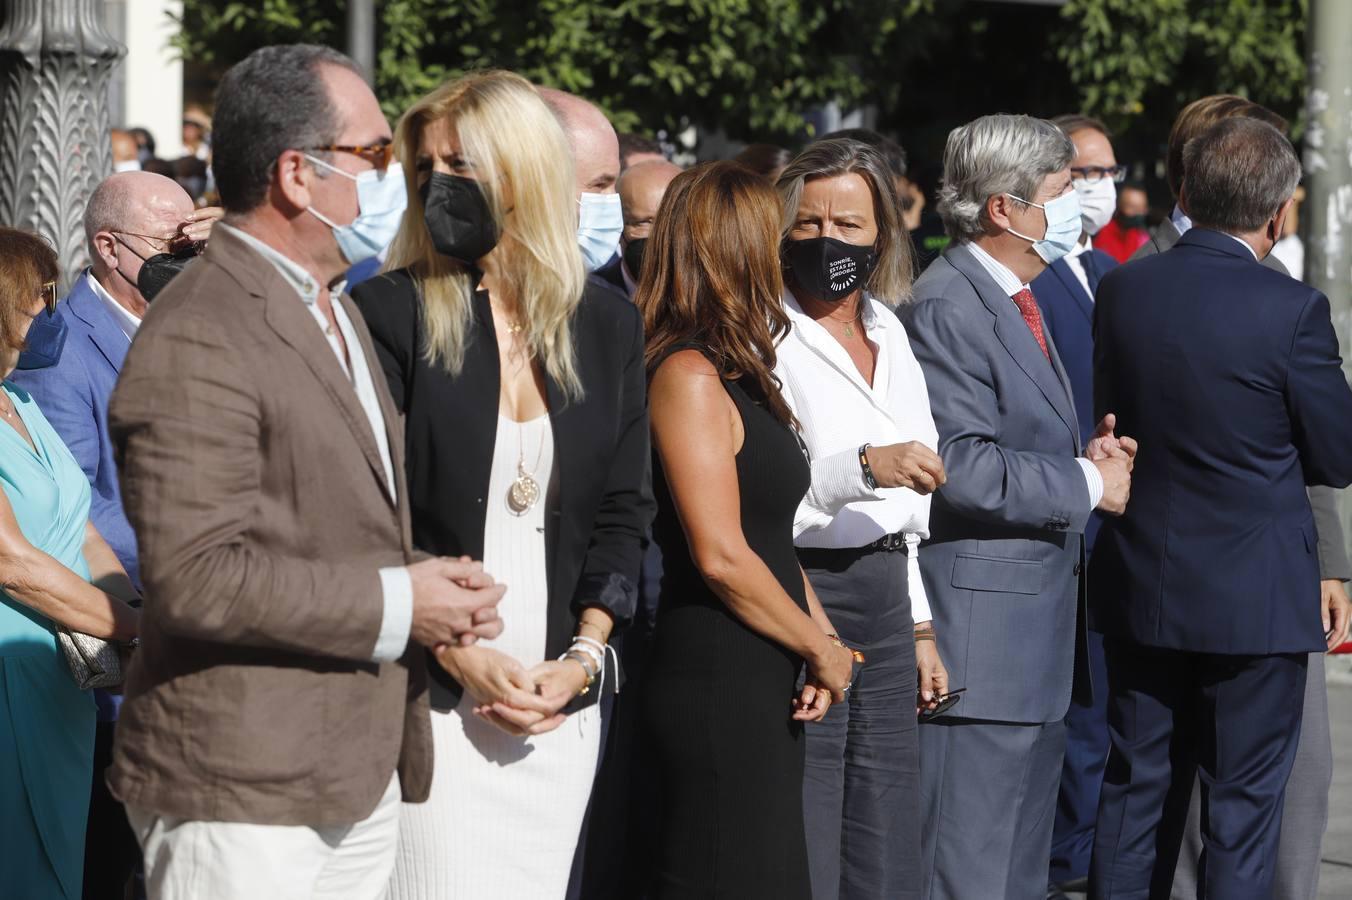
x=848, y=324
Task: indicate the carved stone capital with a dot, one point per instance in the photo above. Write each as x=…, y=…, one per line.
x=55, y=62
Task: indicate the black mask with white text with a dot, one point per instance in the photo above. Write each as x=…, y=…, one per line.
x=827, y=269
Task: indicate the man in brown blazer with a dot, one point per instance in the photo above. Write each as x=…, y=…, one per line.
x=276, y=711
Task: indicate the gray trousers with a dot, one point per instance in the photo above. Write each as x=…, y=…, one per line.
x=1305, y=813
x=988, y=801
x=860, y=784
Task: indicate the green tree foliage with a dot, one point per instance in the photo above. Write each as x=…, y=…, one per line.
x=1131, y=58
x=748, y=66
x=752, y=67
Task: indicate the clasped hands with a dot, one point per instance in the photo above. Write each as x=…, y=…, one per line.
x=515, y=699
x=1114, y=458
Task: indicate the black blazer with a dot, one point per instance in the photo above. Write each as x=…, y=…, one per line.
x=602, y=505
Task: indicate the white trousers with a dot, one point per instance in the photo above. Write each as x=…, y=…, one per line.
x=189, y=860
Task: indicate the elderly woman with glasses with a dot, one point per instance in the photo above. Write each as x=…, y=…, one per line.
x=849, y=375
x=57, y=572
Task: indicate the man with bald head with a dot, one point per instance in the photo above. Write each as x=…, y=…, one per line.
x=132, y=217
x=596, y=167
x=641, y=190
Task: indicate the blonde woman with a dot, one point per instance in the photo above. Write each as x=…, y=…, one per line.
x=524, y=394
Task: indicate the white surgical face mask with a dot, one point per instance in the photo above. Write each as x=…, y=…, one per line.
x=381, y=199
x=1098, y=202
x=1063, y=226
x=127, y=165
x=599, y=225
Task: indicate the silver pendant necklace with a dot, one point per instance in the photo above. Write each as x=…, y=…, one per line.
x=525, y=490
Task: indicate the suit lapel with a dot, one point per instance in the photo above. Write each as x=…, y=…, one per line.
x=286, y=315
x=1012, y=331
x=388, y=414
x=104, y=332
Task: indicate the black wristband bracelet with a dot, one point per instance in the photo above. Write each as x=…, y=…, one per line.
x=868, y=470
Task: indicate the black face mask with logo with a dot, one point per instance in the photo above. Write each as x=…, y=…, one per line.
x=458, y=218
x=827, y=269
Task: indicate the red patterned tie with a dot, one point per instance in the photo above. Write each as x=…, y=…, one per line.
x=1032, y=317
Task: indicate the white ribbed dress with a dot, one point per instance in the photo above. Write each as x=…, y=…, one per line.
x=505, y=812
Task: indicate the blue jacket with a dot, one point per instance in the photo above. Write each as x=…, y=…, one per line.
x=1228, y=374
x=1068, y=314
x=73, y=395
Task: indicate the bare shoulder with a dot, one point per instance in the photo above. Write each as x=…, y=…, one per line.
x=686, y=384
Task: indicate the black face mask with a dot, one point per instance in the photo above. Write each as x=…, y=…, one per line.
x=1132, y=221
x=633, y=257
x=458, y=218
x=158, y=270
x=827, y=269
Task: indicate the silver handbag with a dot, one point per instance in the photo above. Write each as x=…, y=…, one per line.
x=94, y=662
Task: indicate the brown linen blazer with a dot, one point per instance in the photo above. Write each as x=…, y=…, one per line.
x=254, y=483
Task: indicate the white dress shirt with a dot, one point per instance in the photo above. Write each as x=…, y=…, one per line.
x=125, y=318
x=1010, y=285
x=1077, y=265
x=1184, y=225
x=839, y=412
x=395, y=582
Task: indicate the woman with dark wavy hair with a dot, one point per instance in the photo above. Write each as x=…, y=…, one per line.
x=737, y=619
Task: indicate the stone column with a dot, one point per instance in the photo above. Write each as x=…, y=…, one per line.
x=55, y=59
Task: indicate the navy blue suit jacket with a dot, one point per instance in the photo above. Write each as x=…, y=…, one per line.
x=73, y=395
x=1068, y=315
x=1229, y=376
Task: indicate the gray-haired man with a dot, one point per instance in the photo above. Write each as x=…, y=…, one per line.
x=1004, y=562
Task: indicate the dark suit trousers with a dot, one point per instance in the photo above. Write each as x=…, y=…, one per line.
x=1305, y=810
x=1239, y=718
x=1081, y=775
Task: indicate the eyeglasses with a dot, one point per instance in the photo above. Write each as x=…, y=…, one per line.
x=1094, y=174
x=378, y=155
x=48, y=294
x=174, y=245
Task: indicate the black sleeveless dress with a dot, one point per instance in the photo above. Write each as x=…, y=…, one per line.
x=718, y=697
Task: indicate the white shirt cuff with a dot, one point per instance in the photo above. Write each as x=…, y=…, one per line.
x=397, y=621
x=837, y=480
x=915, y=586
x=1092, y=480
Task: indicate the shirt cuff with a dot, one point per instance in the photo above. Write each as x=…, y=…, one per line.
x=397, y=621
x=1092, y=480
x=915, y=585
x=838, y=480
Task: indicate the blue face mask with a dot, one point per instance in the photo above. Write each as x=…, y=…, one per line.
x=1063, y=226
x=381, y=199
x=600, y=222
x=46, y=336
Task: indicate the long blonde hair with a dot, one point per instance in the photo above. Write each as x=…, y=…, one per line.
x=513, y=139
